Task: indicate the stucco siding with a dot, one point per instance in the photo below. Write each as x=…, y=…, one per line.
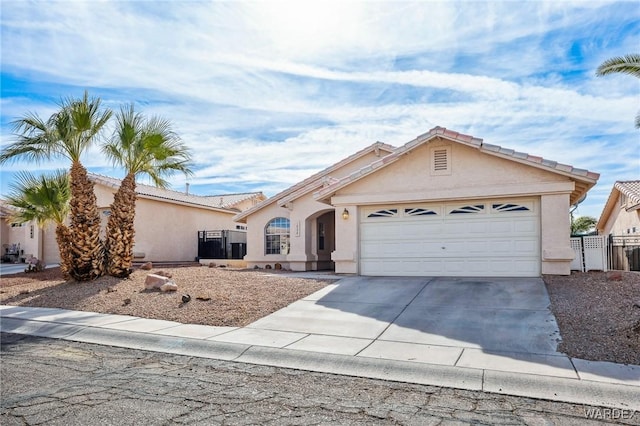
x=50, y=251
x=166, y=231
x=622, y=222
x=438, y=171
x=256, y=224
x=473, y=174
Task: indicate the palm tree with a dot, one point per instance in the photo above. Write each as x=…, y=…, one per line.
x=45, y=200
x=69, y=133
x=628, y=64
x=141, y=146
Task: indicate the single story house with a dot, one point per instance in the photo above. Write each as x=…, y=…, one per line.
x=167, y=222
x=444, y=204
x=621, y=214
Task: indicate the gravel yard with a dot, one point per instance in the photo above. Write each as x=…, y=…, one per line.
x=598, y=313
x=219, y=296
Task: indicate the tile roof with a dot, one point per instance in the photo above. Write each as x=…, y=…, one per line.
x=230, y=200
x=220, y=202
x=589, y=178
x=317, y=180
x=630, y=188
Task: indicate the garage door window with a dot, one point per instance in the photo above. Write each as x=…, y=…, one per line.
x=419, y=212
x=510, y=208
x=384, y=213
x=477, y=208
x=277, y=236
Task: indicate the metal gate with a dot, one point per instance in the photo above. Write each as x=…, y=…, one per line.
x=624, y=252
x=222, y=244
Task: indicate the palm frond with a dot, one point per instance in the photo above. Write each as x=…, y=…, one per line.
x=42, y=198
x=628, y=64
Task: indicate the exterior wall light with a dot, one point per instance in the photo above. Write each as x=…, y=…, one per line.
x=345, y=214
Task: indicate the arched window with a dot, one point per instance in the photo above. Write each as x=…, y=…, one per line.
x=276, y=236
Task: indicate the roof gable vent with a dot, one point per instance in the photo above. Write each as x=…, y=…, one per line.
x=441, y=160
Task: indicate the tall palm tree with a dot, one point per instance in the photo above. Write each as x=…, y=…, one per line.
x=69, y=133
x=628, y=64
x=45, y=200
x=143, y=146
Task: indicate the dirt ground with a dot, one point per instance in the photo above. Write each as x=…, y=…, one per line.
x=219, y=296
x=598, y=313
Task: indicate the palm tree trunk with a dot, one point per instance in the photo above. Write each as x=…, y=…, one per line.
x=120, y=230
x=86, y=248
x=63, y=239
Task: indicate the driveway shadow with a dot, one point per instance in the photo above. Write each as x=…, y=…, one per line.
x=492, y=320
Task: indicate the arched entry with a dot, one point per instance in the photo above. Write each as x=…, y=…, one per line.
x=321, y=226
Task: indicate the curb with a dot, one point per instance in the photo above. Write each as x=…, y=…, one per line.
x=579, y=391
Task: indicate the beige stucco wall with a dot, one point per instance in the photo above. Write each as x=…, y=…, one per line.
x=27, y=235
x=473, y=175
x=256, y=224
x=4, y=231
x=303, y=213
x=166, y=231
x=50, y=252
x=41, y=243
x=620, y=220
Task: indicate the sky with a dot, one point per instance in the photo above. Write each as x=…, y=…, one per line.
x=266, y=93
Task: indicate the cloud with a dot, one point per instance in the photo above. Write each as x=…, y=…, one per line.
x=267, y=93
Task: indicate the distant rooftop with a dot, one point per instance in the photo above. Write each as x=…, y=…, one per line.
x=222, y=201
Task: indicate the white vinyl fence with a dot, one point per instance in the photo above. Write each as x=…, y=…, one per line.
x=591, y=253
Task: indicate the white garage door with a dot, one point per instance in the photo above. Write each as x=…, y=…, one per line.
x=488, y=238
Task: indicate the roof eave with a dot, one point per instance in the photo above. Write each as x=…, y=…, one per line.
x=311, y=180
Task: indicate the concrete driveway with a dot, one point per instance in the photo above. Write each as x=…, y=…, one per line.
x=451, y=321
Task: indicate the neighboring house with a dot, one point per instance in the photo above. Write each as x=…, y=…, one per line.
x=444, y=204
x=167, y=222
x=621, y=214
x=20, y=241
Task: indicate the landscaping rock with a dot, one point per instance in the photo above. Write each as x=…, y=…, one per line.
x=169, y=286
x=155, y=281
x=614, y=276
x=146, y=266
x=165, y=274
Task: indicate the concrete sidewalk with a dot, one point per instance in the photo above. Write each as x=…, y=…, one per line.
x=554, y=377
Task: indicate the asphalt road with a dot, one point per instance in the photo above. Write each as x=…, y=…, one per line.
x=55, y=382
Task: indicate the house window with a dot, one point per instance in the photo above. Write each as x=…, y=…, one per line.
x=441, y=161
x=276, y=236
x=320, y=236
x=623, y=200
